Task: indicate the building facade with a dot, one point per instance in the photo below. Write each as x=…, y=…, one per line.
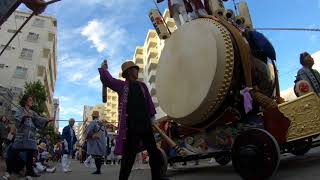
x=6, y=98
x=31, y=56
x=79, y=131
x=111, y=108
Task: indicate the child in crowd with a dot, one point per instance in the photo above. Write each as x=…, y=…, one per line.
x=41, y=162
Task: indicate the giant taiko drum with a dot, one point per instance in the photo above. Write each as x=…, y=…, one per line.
x=195, y=71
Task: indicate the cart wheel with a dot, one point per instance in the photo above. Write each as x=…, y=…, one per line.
x=255, y=155
x=164, y=164
x=302, y=147
x=223, y=159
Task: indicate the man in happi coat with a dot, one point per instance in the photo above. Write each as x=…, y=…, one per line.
x=308, y=74
x=96, y=140
x=136, y=112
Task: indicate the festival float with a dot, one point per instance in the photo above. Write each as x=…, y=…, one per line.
x=217, y=81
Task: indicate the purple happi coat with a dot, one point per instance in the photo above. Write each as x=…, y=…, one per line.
x=122, y=88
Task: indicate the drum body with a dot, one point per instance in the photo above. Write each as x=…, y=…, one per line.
x=200, y=73
x=195, y=71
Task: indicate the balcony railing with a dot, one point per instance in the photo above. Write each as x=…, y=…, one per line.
x=153, y=90
x=152, y=64
x=152, y=76
x=152, y=43
x=152, y=53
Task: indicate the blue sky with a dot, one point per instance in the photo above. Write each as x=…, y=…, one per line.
x=91, y=30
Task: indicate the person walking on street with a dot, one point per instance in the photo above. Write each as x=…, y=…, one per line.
x=27, y=121
x=69, y=139
x=96, y=140
x=136, y=111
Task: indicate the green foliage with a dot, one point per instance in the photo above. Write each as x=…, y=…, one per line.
x=38, y=92
x=49, y=130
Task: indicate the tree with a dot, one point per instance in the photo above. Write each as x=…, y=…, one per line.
x=39, y=96
x=49, y=130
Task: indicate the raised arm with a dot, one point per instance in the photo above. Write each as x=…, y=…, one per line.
x=109, y=81
x=39, y=122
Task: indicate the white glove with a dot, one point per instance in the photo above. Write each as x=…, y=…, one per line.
x=65, y=145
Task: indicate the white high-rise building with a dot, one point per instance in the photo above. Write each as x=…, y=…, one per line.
x=31, y=56
x=87, y=111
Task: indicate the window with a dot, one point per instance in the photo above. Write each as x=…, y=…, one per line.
x=12, y=31
x=51, y=37
x=1, y=103
x=16, y=90
x=21, y=72
x=20, y=17
x=32, y=37
x=38, y=22
x=45, y=52
x=41, y=71
x=8, y=48
x=1, y=66
x=26, y=53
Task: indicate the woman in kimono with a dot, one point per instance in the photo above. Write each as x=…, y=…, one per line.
x=27, y=122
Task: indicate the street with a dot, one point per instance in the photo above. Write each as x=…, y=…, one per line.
x=291, y=168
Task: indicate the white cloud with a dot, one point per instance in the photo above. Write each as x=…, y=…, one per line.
x=63, y=98
x=95, y=82
x=75, y=110
x=288, y=94
x=95, y=32
x=105, y=35
x=77, y=70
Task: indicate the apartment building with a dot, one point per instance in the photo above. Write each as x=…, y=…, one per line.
x=31, y=56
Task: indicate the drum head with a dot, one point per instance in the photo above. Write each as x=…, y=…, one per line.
x=195, y=71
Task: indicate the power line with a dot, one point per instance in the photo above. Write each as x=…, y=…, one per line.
x=288, y=29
